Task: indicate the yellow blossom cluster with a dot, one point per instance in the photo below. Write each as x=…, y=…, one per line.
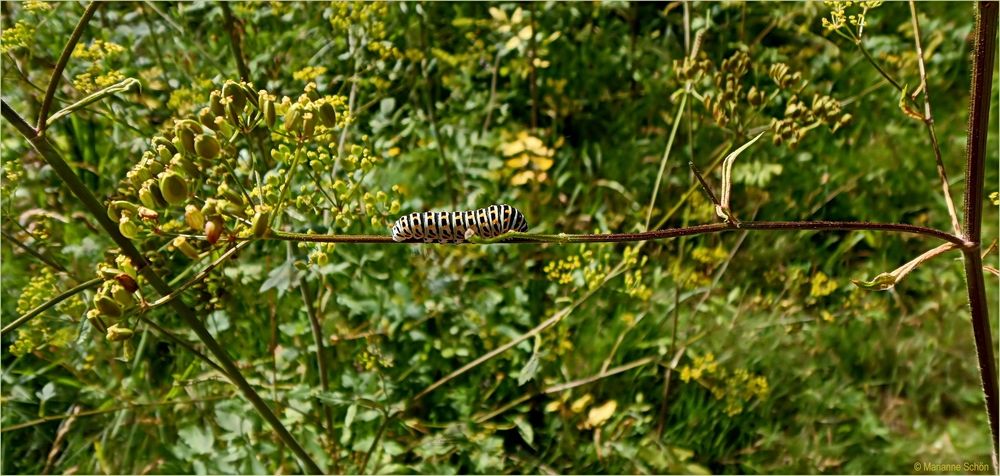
x=737, y=387
x=528, y=157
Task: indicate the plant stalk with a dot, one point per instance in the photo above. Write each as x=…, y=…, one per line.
x=984, y=55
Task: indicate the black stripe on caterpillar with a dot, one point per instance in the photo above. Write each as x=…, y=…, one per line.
x=451, y=227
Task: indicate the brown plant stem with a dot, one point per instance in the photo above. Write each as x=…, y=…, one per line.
x=50, y=91
x=234, y=42
x=984, y=55
x=48, y=152
x=656, y=234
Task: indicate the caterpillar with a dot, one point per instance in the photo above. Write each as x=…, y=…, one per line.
x=451, y=227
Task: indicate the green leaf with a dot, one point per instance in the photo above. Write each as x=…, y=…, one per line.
x=199, y=439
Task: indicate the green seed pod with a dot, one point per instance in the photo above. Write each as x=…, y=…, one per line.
x=187, y=138
x=163, y=153
x=322, y=259
x=213, y=229
x=328, y=114
x=233, y=114
x=236, y=93
x=146, y=197
x=261, y=223
x=173, y=187
x=157, y=194
x=107, y=306
x=308, y=124
x=249, y=93
x=115, y=208
x=267, y=108
x=128, y=228
x=121, y=295
x=194, y=218
x=117, y=333
x=207, y=119
x=153, y=168
x=160, y=140
x=187, y=165
x=181, y=243
x=215, y=103
x=293, y=118
x=207, y=146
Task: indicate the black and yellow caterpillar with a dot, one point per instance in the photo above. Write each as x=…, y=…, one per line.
x=451, y=227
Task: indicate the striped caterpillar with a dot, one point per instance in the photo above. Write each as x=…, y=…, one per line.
x=451, y=227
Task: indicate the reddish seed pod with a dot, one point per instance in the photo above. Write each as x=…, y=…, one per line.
x=127, y=282
x=213, y=230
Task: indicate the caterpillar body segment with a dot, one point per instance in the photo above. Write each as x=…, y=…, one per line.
x=451, y=227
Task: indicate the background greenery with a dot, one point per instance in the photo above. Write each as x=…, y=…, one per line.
x=744, y=352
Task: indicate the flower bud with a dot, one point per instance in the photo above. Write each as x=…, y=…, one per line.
x=173, y=187
x=115, y=208
x=117, y=333
x=207, y=146
x=181, y=243
x=194, y=218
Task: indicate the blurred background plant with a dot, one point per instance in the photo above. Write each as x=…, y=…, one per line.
x=738, y=352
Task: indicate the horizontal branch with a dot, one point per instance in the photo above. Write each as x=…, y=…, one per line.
x=656, y=234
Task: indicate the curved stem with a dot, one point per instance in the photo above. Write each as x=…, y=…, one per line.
x=929, y=122
x=20, y=321
x=50, y=92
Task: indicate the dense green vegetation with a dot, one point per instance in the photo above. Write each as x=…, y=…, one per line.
x=741, y=351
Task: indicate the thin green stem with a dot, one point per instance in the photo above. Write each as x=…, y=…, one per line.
x=321, y=364
x=119, y=408
x=20, y=321
x=33, y=252
x=286, y=186
x=50, y=91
